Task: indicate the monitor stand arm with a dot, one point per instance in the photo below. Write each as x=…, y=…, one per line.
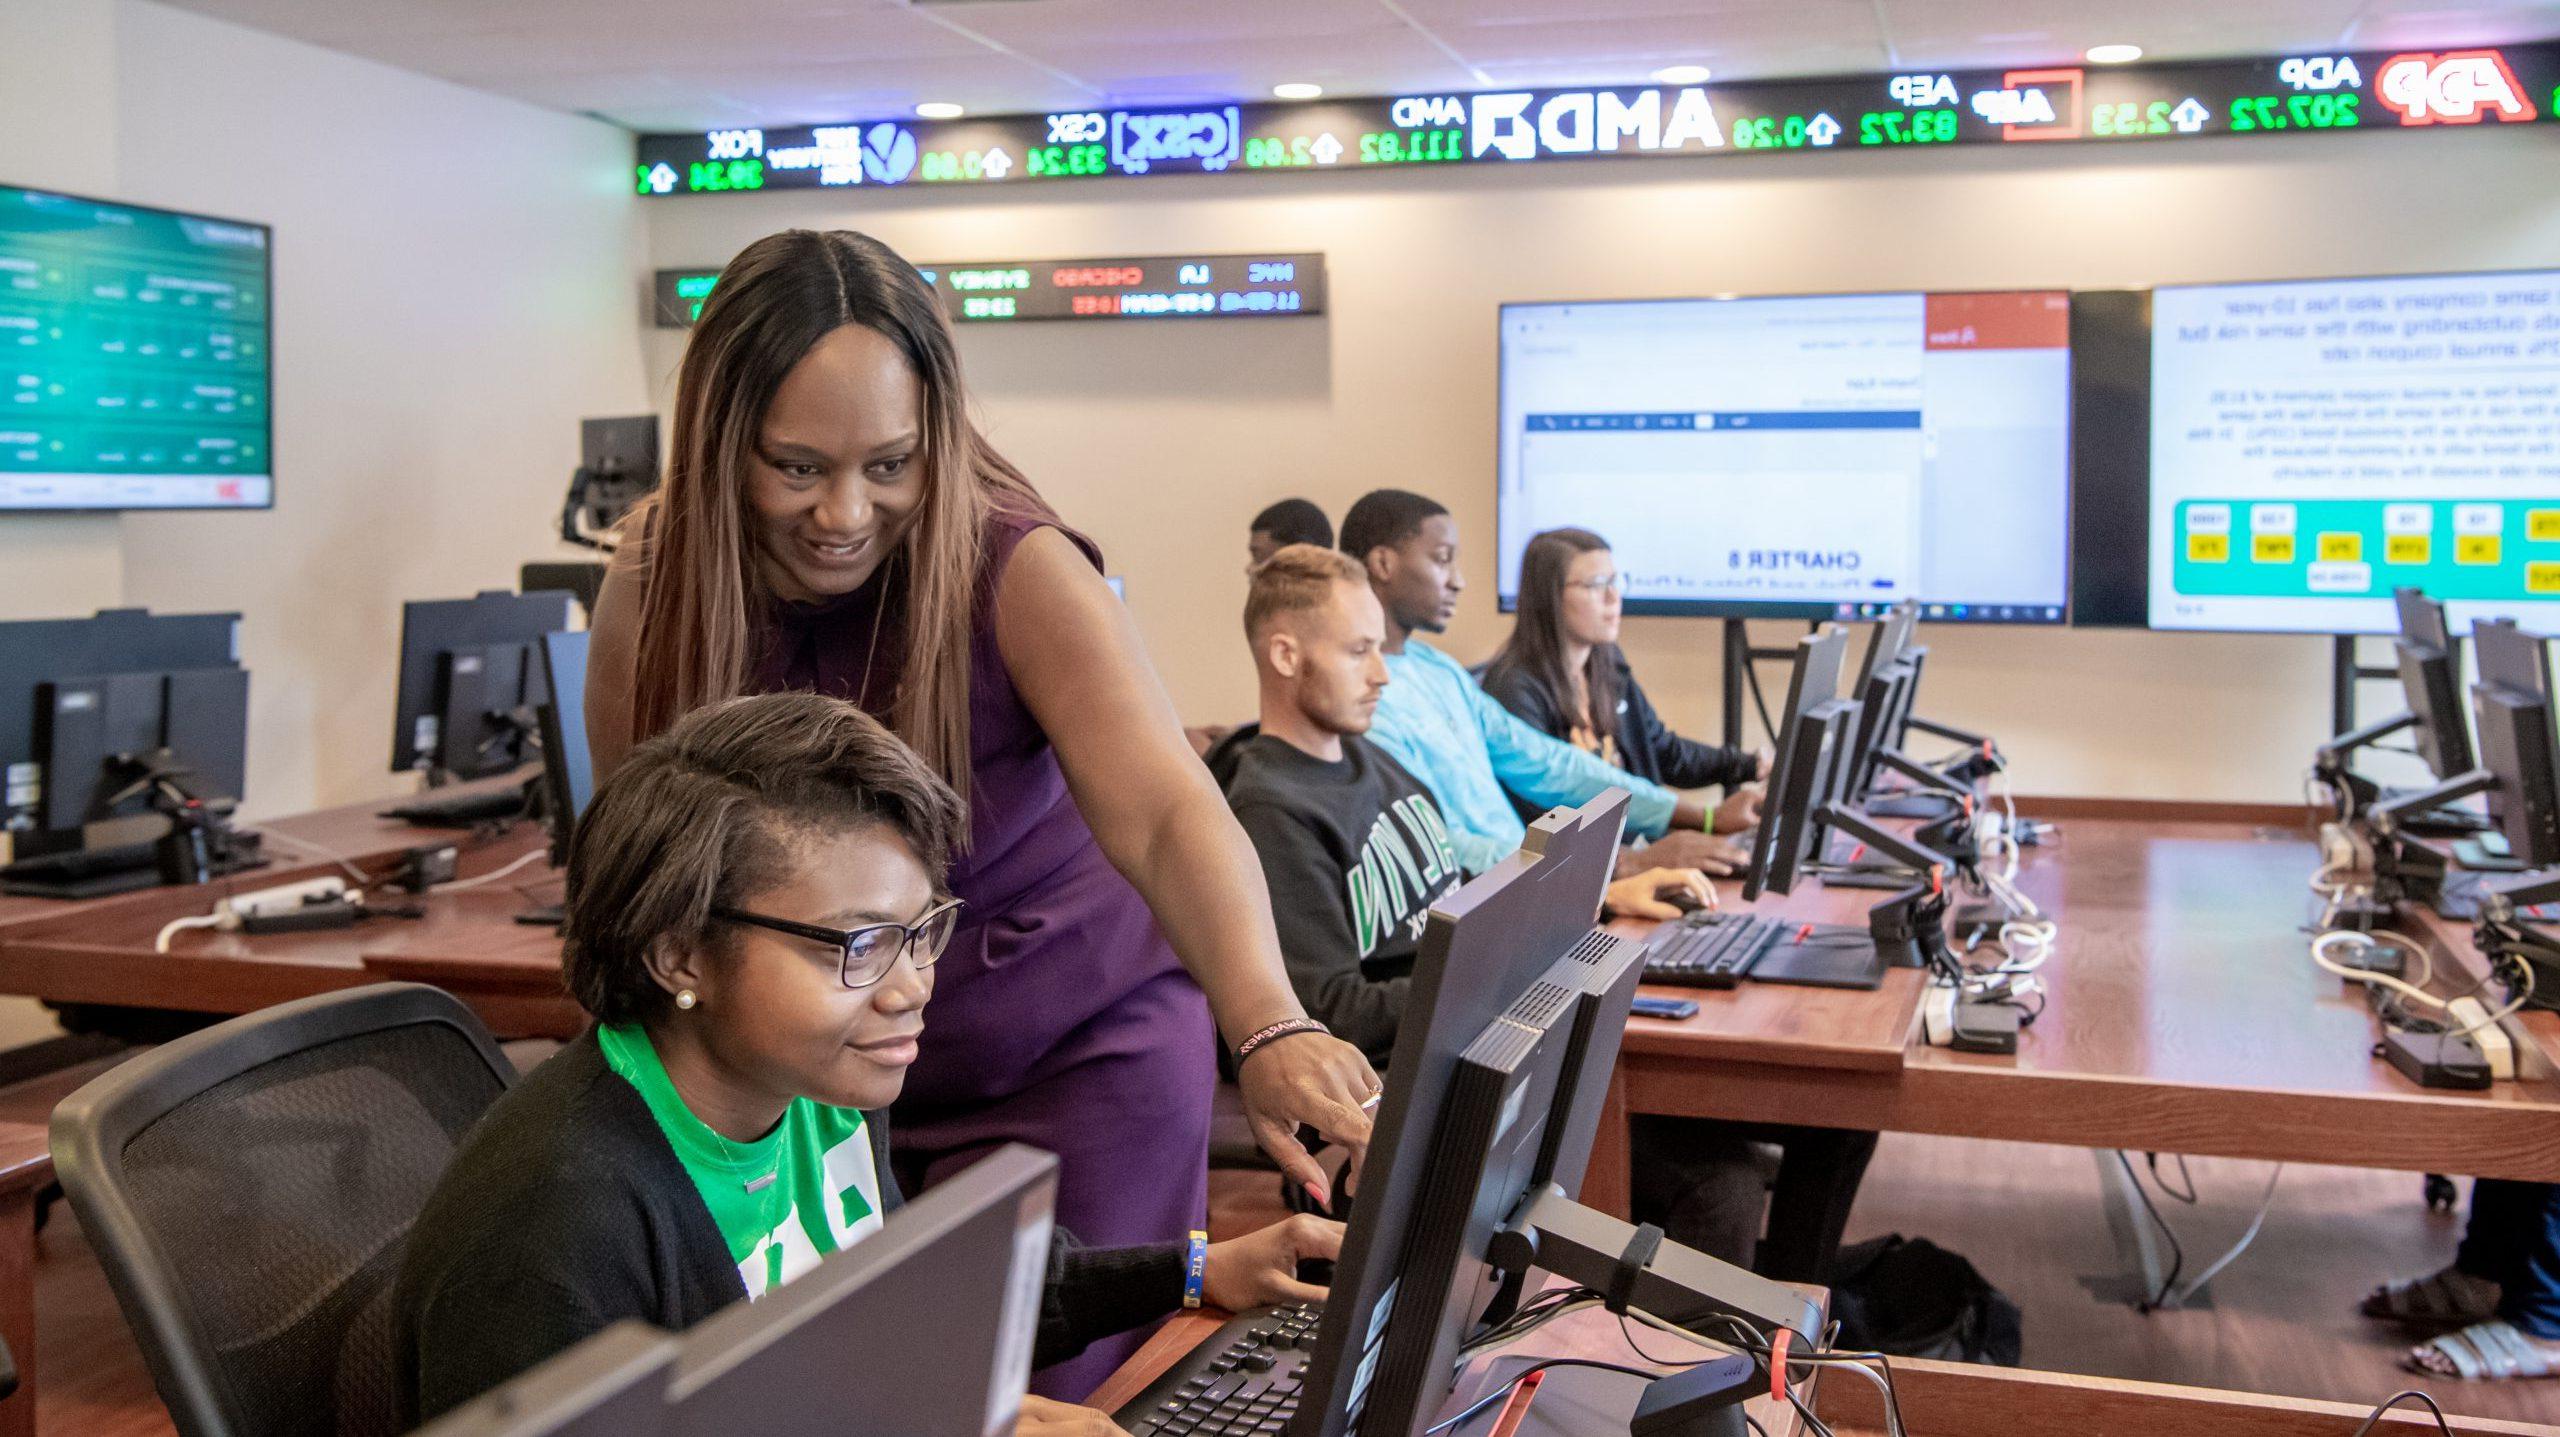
x=1637, y=1268
x=201, y=845
x=1914, y=920
x=2333, y=762
x=1923, y=775
x=2384, y=817
x=2501, y=931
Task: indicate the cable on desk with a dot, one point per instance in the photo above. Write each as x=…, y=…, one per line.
x=1518, y=1377
x=2394, y=1400
x=176, y=926
x=2177, y=1251
x=484, y=879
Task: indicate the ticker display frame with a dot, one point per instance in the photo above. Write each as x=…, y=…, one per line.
x=267, y=250
x=2324, y=92
x=1308, y=284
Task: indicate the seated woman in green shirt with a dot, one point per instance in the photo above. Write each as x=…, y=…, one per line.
x=755, y=902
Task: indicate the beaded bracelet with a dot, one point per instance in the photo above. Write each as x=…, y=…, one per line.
x=1286, y=1027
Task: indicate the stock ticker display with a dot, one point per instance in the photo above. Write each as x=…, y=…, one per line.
x=1230, y=286
x=2270, y=97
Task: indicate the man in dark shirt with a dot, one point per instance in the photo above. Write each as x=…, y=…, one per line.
x=1352, y=846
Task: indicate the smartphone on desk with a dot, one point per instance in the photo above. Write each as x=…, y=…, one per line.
x=1647, y=1006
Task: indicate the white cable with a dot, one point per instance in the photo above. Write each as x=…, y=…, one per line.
x=537, y=855
x=2523, y=996
x=2183, y=1295
x=176, y=926
x=2336, y=937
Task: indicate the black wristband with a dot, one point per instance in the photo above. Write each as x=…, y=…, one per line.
x=1285, y=1028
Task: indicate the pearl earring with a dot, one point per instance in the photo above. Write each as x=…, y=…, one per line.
x=685, y=998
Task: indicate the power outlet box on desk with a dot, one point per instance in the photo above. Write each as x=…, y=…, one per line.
x=2496, y=1047
x=2437, y=1060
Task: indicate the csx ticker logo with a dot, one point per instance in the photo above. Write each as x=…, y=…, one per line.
x=2459, y=87
x=1210, y=138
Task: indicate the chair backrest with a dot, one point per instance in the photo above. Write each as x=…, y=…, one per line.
x=248, y=1189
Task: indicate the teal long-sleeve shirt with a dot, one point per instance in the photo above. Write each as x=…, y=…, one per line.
x=1466, y=748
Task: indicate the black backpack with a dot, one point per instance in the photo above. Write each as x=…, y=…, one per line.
x=1909, y=1297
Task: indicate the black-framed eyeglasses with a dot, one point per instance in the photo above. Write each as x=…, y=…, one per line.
x=872, y=949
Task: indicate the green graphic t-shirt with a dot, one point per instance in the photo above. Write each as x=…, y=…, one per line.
x=806, y=1189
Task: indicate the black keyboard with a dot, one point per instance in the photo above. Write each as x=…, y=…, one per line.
x=83, y=873
x=1242, y=1382
x=1710, y=949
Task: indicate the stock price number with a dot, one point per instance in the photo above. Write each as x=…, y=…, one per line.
x=2129, y=118
x=1769, y=132
x=1907, y=127
x=1393, y=147
x=1066, y=160
x=709, y=176
x=2295, y=112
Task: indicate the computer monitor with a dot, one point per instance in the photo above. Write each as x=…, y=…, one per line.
x=1805, y=456
x=1885, y=677
x=614, y=1384
x=583, y=578
x=1813, y=732
x=469, y=682
x=617, y=468
x=922, y=1329
x=2430, y=677
x=2512, y=703
x=568, y=772
x=1510, y=969
x=98, y=717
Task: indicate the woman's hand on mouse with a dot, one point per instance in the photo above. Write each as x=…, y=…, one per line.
x=1261, y=1268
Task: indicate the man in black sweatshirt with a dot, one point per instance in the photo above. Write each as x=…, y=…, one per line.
x=1352, y=846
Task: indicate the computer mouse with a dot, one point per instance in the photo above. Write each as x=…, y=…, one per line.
x=1684, y=900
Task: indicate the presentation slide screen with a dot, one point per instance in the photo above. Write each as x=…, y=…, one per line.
x=134, y=363
x=2317, y=444
x=1814, y=457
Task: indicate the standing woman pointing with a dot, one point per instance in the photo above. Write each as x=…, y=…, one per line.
x=832, y=520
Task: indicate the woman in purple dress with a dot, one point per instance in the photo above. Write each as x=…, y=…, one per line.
x=832, y=520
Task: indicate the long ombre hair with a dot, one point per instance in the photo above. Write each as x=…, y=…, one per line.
x=703, y=614
x=1536, y=646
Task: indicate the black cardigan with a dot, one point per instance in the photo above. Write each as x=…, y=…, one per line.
x=1647, y=747
x=565, y=1211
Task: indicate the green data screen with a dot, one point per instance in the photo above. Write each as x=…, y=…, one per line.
x=134, y=367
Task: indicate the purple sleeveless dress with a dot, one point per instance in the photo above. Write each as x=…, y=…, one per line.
x=1060, y=1016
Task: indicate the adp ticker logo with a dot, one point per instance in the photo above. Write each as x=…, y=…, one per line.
x=2458, y=87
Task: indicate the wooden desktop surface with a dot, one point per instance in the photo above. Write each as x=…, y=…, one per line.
x=1591, y=1334
x=2184, y=1015
x=352, y=830
x=1943, y=1398
x=466, y=941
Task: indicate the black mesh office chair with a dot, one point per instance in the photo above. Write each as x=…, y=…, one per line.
x=248, y=1189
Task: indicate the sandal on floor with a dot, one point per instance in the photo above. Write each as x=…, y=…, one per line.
x=2436, y=1300
x=2487, y=1351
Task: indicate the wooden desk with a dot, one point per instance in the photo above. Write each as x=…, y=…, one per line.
x=1590, y=1333
x=2184, y=1016
x=1946, y=1399
x=354, y=830
x=467, y=943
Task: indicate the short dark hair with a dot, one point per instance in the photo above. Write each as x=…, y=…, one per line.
x=1385, y=518
x=1294, y=521
x=707, y=813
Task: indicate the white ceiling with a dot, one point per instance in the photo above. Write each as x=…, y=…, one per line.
x=701, y=64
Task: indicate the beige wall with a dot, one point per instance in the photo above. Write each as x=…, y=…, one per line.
x=58, y=130
x=454, y=288
x=1163, y=439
